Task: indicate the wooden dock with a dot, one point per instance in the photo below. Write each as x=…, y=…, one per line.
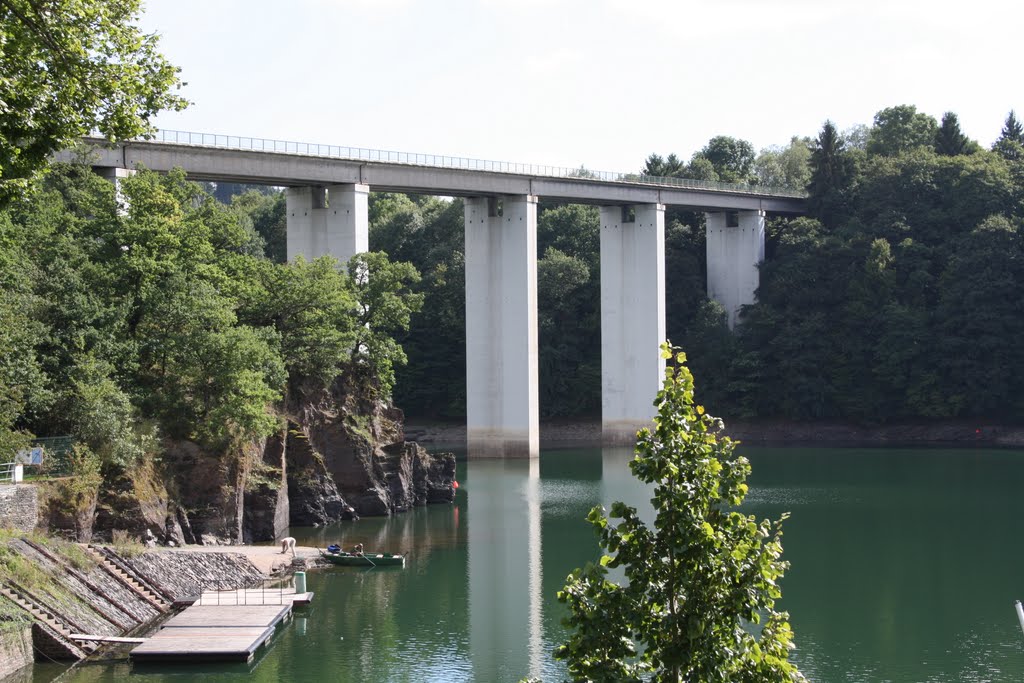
x=221, y=626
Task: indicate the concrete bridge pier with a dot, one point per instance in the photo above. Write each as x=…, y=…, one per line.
x=115, y=175
x=632, y=317
x=305, y=231
x=330, y=220
x=502, y=414
x=735, y=248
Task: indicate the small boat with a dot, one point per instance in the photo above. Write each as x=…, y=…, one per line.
x=346, y=559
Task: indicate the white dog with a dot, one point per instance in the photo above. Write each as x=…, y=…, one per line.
x=287, y=544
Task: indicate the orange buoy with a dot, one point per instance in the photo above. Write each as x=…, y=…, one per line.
x=455, y=484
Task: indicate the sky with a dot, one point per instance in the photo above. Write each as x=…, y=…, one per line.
x=594, y=83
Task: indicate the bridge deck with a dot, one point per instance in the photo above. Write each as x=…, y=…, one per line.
x=452, y=177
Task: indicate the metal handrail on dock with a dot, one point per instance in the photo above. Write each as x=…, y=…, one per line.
x=244, y=596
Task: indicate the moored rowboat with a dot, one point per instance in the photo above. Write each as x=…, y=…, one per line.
x=345, y=559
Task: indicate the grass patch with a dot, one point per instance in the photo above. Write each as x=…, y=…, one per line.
x=12, y=617
x=126, y=545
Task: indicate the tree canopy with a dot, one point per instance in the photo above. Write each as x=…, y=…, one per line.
x=900, y=129
x=69, y=68
x=949, y=139
x=732, y=158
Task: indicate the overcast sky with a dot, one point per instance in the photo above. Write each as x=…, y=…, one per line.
x=599, y=83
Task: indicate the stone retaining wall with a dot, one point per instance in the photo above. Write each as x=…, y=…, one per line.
x=16, y=652
x=19, y=506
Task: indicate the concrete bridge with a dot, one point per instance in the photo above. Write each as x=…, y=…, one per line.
x=327, y=192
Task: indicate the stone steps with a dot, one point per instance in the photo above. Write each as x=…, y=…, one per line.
x=51, y=622
x=155, y=598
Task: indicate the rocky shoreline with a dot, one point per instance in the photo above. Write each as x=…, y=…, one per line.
x=587, y=433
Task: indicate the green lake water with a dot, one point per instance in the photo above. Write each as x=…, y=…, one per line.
x=905, y=567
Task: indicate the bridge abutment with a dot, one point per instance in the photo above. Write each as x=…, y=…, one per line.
x=502, y=404
x=735, y=248
x=632, y=317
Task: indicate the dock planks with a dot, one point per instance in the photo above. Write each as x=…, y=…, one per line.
x=221, y=626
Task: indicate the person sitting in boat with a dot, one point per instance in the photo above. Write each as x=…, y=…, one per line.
x=358, y=549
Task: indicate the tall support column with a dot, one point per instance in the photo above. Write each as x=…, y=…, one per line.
x=632, y=317
x=115, y=175
x=735, y=248
x=304, y=216
x=335, y=222
x=347, y=221
x=501, y=327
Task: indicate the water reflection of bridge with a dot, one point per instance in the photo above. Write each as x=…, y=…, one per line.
x=521, y=515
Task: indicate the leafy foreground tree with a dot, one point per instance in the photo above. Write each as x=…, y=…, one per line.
x=71, y=67
x=699, y=581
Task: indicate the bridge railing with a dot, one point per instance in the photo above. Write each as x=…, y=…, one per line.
x=179, y=137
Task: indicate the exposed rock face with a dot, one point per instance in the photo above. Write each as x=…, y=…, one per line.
x=313, y=495
x=137, y=501
x=211, y=491
x=347, y=451
x=266, y=505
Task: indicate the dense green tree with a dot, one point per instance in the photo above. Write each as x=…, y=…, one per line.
x=979, y=326
x=685, y=271
x=71, y=67
x=573, y=229
x=310, y=307
x=1010, y=144
x=695, y=576
x=831, y=178
x=385, y=301
x=100, y=413
x=712, y=349
x=900, y=129
x=785, y=167
x=856, y=137
x=266, y=214
x=568, y=310
x=568, y=336
x=21, y=377
x=732, y=158
x=1012, y=129
x=949, y=139
x=668, y=167
x=932, y=198
x=699, y=168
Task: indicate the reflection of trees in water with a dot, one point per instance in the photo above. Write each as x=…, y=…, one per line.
x=378, y=612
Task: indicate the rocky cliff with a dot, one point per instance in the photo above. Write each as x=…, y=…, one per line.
x=338, y=454
x=347, y=456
